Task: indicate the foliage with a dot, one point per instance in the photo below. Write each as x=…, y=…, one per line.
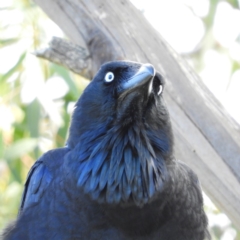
x=36, y=98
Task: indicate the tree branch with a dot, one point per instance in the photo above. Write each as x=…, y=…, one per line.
x=68, y=55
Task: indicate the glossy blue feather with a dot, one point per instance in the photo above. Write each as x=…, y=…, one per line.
x=128, y=159
x=104, y=176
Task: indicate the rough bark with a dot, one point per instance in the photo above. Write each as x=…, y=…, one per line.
x=206, y=137
x=70, y=55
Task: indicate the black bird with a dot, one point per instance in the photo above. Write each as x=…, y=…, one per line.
x=117, y=177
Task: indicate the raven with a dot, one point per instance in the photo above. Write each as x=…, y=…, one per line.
x=117, y=177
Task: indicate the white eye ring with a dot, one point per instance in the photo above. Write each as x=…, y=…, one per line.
x=109, y=77
x=160, y=90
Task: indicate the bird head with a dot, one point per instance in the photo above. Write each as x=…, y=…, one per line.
x=121, y=134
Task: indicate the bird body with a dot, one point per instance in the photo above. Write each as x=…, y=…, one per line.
x=117, y=177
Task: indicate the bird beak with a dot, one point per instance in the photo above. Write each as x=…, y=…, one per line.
x=143, y=77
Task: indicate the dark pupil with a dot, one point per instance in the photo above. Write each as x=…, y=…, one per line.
x=110, y=76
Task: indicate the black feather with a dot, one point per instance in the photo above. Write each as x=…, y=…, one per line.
x=128, y=164
x=117, y=177
x=104, y=176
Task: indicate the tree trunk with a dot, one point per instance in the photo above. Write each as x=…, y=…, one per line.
x=206, y=137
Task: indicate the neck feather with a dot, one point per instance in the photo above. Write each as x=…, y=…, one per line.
x=121, y=165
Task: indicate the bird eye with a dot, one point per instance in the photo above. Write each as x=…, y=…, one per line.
x=109, y=77
x=160, y=90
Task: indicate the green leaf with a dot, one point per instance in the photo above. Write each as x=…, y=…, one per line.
x=14, y=68
x=65, y=74
x=234, y=3
x=16, y=169
x=33, y=118
x=1, y=145
x=19, y=148
x=62, y=132
x=8, y=41
x=32, y=121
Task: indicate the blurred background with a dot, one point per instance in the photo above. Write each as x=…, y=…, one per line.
x=37, y=97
